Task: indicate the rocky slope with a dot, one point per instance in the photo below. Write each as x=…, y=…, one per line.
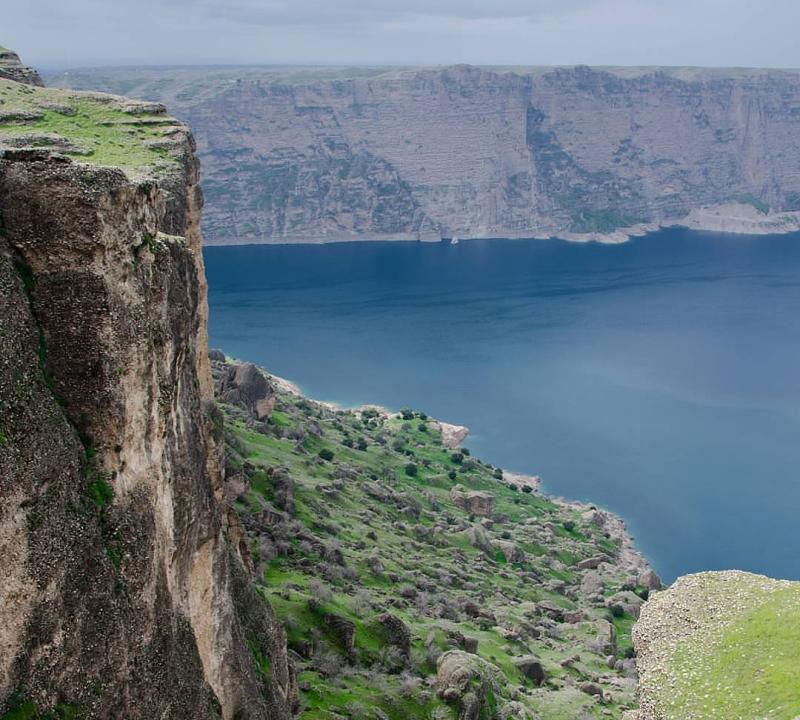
x=723, y=646
x=472, y=152
x=121, y=595
x=416, y=581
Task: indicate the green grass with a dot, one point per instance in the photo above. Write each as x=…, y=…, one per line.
x=335, y=501
x=99, y=131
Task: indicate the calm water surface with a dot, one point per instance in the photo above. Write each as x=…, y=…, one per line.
x=660, y=378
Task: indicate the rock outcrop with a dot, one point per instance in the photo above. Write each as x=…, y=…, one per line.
x=11, y=68
x=476, y=152
x=121, y=595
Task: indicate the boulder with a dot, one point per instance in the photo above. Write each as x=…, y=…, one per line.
x=592, y=562
x=475, y=502
x=344, y=632
x=396, y=633
x=469, y=682
x=591, y=688
x=246, y=387
x=531, y=667
x=216, y=355
x=650, y=580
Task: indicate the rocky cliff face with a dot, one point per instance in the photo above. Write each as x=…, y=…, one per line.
x=122, y=596
x=464, y=151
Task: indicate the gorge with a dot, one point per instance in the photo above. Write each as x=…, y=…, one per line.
x=184, y=535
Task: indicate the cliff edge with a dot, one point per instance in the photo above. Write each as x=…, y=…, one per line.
x=720, y=645
x=121, y=595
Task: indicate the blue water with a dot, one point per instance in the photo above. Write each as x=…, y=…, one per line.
x=660, y=378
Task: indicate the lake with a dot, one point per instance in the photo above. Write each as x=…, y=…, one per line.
x=659, y=378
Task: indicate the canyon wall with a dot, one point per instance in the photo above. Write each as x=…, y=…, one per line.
x=471, y=152
x=122, y=596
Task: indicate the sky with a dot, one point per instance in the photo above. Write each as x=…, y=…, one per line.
x=71, y=33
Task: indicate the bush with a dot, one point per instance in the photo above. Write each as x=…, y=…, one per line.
x=361, y=444
x=457, y=458
x=527, y=489
x=326, y=454
x=498, y=473
x=407, y=414
x=617, y=610
x=569, y=525
x=452, y=475
x=348, y=442
x=422, y=427
x=411, y=469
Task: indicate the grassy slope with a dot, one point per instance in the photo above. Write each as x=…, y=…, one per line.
x=737, y=656
x=432, y=552
x=96, y=129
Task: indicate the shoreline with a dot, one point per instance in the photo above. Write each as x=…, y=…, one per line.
x=630, y=557
x=725, y=219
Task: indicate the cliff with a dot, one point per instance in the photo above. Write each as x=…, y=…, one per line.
x=720, y=645
x=475, y=152
x=121, y=594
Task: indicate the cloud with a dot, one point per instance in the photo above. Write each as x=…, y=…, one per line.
x=412, y=32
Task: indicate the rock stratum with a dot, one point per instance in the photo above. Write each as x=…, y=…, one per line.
x=464, y=151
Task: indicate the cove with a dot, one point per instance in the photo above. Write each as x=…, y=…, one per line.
x=658, y=378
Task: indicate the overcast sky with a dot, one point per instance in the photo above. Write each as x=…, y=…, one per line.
x=64, y=33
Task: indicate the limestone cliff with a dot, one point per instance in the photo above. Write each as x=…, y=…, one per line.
x=121, y=595
x=471, y=152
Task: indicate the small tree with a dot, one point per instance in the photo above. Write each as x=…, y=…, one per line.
x=326, y=454
x=411, y=469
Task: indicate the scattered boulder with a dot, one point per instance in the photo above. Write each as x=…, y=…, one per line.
x=592, y=562
x=475, y=502
x=396, y=633
x=468, y=681
x=650, y=580
x=344, y=631
x=591, y=688
x=246, y=387
x=531, y=667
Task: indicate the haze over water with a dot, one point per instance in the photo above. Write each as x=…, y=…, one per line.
x=660, y=378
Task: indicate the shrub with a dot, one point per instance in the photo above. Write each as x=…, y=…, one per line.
x=452, y=475
x=498, y=473
x=326, y=454
x=361, y=444
x=617, y=610
x=422, y=427
x=407, y=414
x=457, y=458
x=411, y=469
x=569, y=525
x=348, y=442
x=527, y=489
